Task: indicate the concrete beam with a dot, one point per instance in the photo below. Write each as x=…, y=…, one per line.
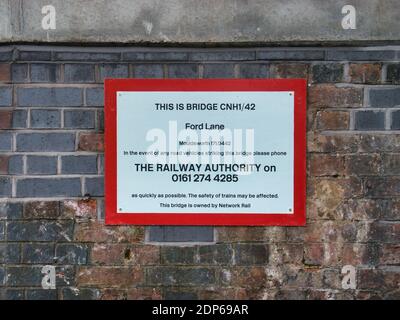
x=199, y=21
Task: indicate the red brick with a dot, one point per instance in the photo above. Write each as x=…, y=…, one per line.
x=253, y=277
x=5, y=72
x=144, y=293
x=238, y=234
x=120, y=254
x=5, y=119
x=286, y=253
x=85, y=208
x=333, y=143
x=113, y=294
x=333, y=120
x=321, y=254
x=94, y=231
x=289, y=70
x=365, y=72
x=321, y=231
x=390, y=254
x=330, y=96
x=327, y=165
x=4, y=164
x=91, y=142
x=109, y=276
x=42, y=209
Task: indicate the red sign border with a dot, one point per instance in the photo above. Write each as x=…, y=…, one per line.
x=297, y=218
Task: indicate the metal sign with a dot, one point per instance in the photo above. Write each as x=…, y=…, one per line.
x=205, y=152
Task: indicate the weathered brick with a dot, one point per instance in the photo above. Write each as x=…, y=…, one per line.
x=24, y=55
x=78, y=164
x=144, y=293
x=222, y=55
x=251, y=254
x=360, y=55
x=254, y=70
x=327, y=165
x=11, y=210
x=379, y=143
x=31, y=276
x=80, y=294
x=369, y=120
x=95, y=97
x=155, y=56
x=85, y=208
x=289, y=70
x=93, y=231
x=386, y=232
x=79, y=119
x=357, y=254
x=248, y=277
x=218, y=70
x=44, y=72
x=363, y=209
x=41, y=294
x=5, y=119
x=180, y=234
x=24, y=276
x=384, y=98
x=41, y=210
x=148, y=71
x=393, y=73
x=45, y=118
x=390, y=254
x=381, y=187
x=391, y=164
x=86, y=56
x=91, y=142
x=13, y=294
x=49, y=187
x=393, y=210
x=286, y=253
x=37, y=253
x=41, y=164
x=4, y=160
x=364, y=164
x=123, y=254
x=5, y=73
x=218, y=254
x=178, y=255
x=333, y=120
x=75, y=73
x=45, y=142
x=322, y=96
x=113, y=71
x=75, y=254
x=19, y=73
x=5, y=141
x=365, y=73
x=5, y=187
x=49, y=97
x=239, y=234
x=321, y=254
x=10, y=253
x=181, y=294
x=19, y=119
x=188, y=276
x=183, y=70
x=5, y=96
x=327, y=72
x=109, y=276
x=40, y=230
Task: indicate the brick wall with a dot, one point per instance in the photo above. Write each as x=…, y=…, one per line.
x=51, y=181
